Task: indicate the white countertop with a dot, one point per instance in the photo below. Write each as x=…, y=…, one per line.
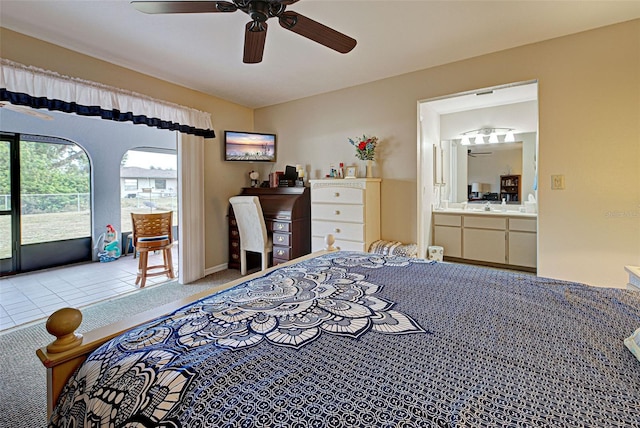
x=494, y=212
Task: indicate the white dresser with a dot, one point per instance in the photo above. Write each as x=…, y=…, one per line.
x=634, y=277
x=349, y=209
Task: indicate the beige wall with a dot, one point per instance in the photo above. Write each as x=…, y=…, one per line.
x=222, y=180
x=589, y=100
x=589, y=131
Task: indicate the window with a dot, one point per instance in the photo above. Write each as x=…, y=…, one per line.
x=150, y=184
x=54, y=190
x=130, y=184
x=161, y=184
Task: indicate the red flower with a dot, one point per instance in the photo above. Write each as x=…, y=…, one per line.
x=362, y=145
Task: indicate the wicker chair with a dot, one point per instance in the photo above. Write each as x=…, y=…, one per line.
x=252, y=229
x=152, y=232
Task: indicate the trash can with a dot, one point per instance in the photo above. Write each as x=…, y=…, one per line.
x=435, y=252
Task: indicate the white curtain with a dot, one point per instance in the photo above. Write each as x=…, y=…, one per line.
x=38, y=88
x=191, y=202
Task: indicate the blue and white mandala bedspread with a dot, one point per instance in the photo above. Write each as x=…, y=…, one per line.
x=361, y=340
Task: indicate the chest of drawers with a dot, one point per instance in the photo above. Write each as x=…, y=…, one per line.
x=349, y=209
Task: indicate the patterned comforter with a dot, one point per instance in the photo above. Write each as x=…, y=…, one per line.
x=359, y=340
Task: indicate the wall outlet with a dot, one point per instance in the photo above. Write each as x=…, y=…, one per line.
x=557, y=182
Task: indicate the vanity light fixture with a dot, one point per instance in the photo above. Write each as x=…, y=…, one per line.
x=493, y=133
x=509, y=137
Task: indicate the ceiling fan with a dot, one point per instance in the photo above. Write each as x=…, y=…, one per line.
x=256, y=29
x=475, y=154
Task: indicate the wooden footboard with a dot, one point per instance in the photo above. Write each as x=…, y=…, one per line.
x=64, y=355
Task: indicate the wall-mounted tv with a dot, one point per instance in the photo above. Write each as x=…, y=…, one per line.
x=249, y=146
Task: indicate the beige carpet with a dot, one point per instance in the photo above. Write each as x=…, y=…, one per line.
x=23, y=377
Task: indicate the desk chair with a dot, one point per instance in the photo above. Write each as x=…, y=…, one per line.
x=252, y=229
x=152, y=232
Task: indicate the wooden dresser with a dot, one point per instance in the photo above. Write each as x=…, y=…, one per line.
x=287, y=214
x=349, y=209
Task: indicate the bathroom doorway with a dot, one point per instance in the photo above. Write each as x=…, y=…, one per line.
x=443, y=176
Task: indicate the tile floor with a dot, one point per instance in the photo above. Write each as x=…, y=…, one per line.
x=30, y=297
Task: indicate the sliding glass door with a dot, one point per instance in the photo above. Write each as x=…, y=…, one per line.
x=45, y=217
x=7, y=247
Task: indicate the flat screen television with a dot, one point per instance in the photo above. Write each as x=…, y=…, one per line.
x=249, y=146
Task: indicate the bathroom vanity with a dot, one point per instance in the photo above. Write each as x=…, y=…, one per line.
x=494, y=238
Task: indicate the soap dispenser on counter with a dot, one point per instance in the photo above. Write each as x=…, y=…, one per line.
x=503, y=205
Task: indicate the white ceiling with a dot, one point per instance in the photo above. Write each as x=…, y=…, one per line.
x=511, y=106
x=484, y=98
x=204, y=51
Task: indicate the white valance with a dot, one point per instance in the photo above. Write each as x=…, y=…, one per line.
x=38, y=88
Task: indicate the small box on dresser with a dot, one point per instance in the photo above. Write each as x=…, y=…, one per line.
x=349, y=209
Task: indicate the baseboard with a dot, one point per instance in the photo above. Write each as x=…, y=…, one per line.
x=490, y=264
x=215, y=269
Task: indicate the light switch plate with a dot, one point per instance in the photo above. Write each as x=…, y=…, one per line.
x=557, y=182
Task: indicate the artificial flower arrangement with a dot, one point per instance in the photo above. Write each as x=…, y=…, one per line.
x=365, y=147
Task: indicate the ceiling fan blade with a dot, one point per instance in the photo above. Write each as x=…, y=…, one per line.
x=255, y=35
x=317, y=32
x=184, y=6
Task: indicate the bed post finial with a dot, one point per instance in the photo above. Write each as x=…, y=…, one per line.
x=329, y=240
x=63, y=324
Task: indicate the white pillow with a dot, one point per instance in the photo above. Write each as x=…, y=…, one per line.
x=633, y=343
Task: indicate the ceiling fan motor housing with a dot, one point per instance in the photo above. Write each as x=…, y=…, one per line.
x=258, y=10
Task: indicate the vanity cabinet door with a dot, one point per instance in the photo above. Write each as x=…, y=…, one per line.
x=484, y=239
x=447, y=233
x=522, y=242
x=450, y=238
x=522, y=249
x=484, y=245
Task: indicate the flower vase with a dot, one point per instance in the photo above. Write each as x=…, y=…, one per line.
x=369, y=168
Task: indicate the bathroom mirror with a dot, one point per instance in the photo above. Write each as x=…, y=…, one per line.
x=463, y=118
x=478, y=169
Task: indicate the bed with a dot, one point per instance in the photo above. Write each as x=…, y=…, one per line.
x=347, y=339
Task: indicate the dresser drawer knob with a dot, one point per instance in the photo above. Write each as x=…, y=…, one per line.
x=280, y=239
x=337, y=212
x=336, y=230
x=280, y=226
x=337, y=195
x=280, y=252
